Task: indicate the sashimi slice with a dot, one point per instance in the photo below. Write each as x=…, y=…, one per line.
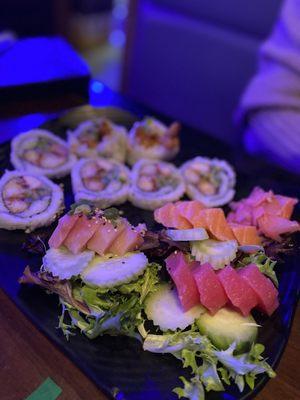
x=169, y=216
x=265, y=291
x=104, y=236
x=259, y=196
x=130, y=239
x=272, y=226
x=287, y=205
x=181, y=273
x=245, y=234
x=211, y=292
x=214, y=221
x=188, y=209
x=267, y=211
x=242, y=213
x=81, y=233
x=239, y=292
x=65, y=224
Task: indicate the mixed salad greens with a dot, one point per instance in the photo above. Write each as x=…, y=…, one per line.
x=128, y=295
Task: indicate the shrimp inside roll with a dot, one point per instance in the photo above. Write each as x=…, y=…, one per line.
x=152, y=139
x=28, y=201
x=154, y=183
x=99, y=137
x=210, y=181
x=40, y=151
x=101, y=181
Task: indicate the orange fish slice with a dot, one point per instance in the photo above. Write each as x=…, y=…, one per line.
x=188, y=209
x=104, y=236
x=245, y=234
x=65, y=224
x=273, y=226
x=81, y=233
x=169, y=216
x=214, y=221
x=129, y=240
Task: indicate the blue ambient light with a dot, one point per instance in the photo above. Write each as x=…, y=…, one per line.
x=97, y=86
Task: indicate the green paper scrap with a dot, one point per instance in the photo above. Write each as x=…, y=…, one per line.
x=48, y=390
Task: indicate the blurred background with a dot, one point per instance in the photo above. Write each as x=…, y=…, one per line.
x=189, y=59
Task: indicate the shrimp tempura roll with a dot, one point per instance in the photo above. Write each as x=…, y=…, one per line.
x=152, y=139
x=40, y=151
x=210, y=181
x=155, y=183
x=99, y=138
x=28, y=201
x=100, y=181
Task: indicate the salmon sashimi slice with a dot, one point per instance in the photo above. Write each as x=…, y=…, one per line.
x=264, y=210
x=245, y=234
x=130, y=239
x=214, y=221
x=239, y=292
x=273, y=226
x=64, y=226
x=188, y=209
x=169, y=216
x=287, y=205
x=81, y=233
x=242, y=213
x=105, y=235
x=265, y=291
x=211, y=292
x=181, y=273
x=259, y=196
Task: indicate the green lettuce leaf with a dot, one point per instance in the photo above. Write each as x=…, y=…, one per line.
x=115, y=310
x=192, y=389
x=264, y=263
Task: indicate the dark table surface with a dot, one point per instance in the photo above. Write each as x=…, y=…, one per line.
x=27, y=357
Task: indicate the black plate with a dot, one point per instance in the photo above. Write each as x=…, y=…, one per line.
x=119, y=362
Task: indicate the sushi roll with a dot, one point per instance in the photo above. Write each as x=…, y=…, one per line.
x=155, y=183
x=100, y=181
x=41, y=152
x=28, y=201
x=99, y=137
x=210, y=181
x=152, y=139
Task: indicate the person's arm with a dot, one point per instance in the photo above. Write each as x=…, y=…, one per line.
x=270, y=106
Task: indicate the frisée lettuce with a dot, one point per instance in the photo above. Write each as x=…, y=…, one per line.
x=114, y=310
x=210, y=367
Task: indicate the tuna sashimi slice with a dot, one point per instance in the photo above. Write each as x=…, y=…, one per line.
x=239, y=292
x=169, y=216
x=214, y=221
x=130, y=239
x=272, y=226
x=104, y=236
x=81, y=233
x=65, y=224
x=245, y=234
x=212, y=294
x=189, y=208
x=265, y=291
x=181, y=273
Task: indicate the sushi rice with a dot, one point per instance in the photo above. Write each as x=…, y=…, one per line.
x=40, y=151
x=99, y=137
x=100, y=181
x=28, y=201
x=210, y=181
x=152, y=139
x=155, y=183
